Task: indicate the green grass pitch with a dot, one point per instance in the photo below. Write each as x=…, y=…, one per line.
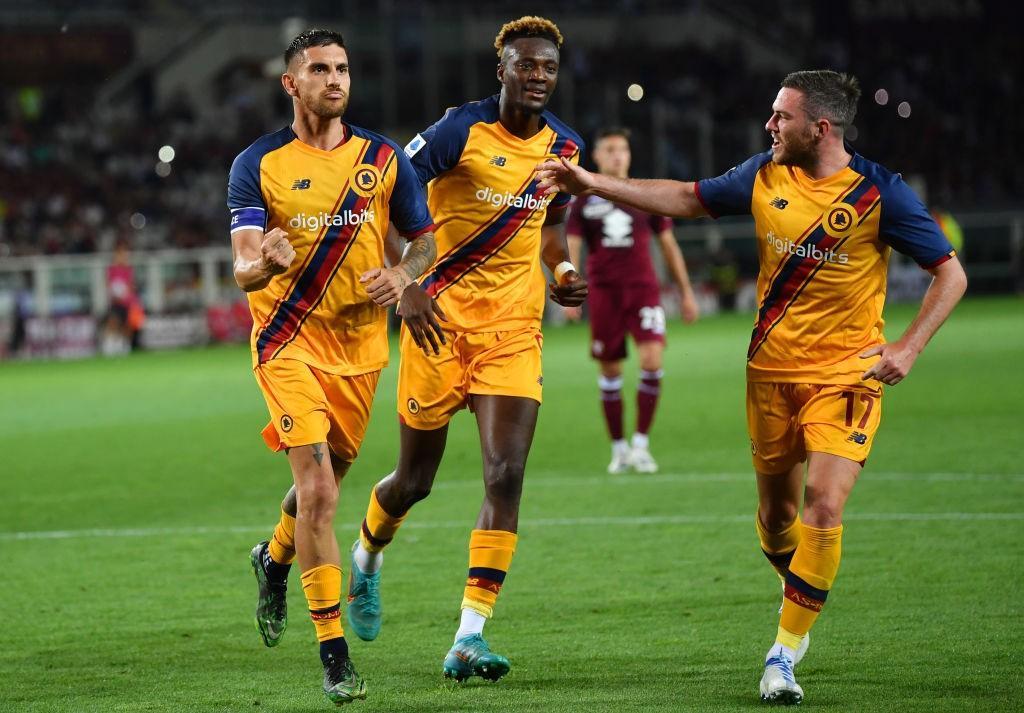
x=134, y=488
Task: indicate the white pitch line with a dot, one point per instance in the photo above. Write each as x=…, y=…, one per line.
x=612, y=521
x=540, y=480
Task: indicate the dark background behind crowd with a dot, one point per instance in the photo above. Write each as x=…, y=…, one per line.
x=77, y=177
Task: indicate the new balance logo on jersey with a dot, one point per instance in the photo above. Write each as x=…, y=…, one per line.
x=497, y=161
x=857, y=437
x=779, y=203
x=301, y=184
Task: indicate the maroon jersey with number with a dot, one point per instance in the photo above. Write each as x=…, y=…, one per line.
x=618, y=240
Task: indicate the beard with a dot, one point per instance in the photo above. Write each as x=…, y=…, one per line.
x=325, y=108
x=799, y=151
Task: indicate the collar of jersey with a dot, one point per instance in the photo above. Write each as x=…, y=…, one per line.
x=314, y=151
x=509, y=138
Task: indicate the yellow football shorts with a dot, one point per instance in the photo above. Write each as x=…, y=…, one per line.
x=785, y=421
x=432, y=388
x=308, y=406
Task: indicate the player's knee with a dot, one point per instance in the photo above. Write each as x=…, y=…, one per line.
x=611, y=369
x=411, y=492
x=650, y=362
x=822, y=509
x=503, y=479
x=776, y=517
x=317, y=503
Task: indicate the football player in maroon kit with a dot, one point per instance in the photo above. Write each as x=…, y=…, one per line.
x=625, y=297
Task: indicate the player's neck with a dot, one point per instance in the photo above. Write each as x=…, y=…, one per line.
x=517, y=121
x=829, y=162
x=318, y=132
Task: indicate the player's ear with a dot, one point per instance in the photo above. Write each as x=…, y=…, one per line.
x=289, y=84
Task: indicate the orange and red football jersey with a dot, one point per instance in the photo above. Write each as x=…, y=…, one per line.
x=824, y=247
x=484, y=196
x=335, y=207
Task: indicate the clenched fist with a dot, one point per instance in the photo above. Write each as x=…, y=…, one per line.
x=277, y=252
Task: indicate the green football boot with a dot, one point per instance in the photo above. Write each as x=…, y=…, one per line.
x=470, y=656
x=342, y=683
x=363, y=600
x=272, y=605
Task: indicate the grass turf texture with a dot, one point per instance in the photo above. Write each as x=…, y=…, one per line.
x=628, y=593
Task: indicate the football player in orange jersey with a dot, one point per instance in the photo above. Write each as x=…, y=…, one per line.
x=493, y=233
x=310, y=207
x=826, y=220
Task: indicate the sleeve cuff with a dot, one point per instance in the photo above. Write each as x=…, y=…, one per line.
x=948, y=256
x=700, y=199
x=413, y=234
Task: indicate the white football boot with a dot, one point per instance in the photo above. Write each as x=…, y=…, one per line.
x=620, y=458
x=778, y=684
x=642, y=460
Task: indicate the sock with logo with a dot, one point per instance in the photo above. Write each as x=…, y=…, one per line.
x=376, y=533
x=490, y=555
x=647, y=392
x=611, y=402
x=811, y=574
x=779, y=547
x=322, y=587
x=278, y=557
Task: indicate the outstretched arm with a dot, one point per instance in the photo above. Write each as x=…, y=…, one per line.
x=898, y=357
x=677, y=199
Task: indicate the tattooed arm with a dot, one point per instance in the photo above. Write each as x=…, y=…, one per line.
x=419, y=255
x=386, y=285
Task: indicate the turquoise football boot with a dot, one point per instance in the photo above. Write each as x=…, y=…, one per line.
x=363, y=600
x=470, y=656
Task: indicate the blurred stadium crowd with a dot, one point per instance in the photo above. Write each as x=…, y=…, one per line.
x=77, y=178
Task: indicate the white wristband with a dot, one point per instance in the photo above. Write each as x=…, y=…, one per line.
x=562, y=268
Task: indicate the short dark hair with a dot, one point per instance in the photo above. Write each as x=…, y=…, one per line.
x=312, y=38
x=528, y=26
x=613, y=131
x=827, y=94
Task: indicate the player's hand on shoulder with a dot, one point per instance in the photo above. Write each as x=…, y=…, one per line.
x=570, y=291
x=421, y=313
x=563, y=176
x=688, y=308
x=385, y=285
x=276, y=252
x=895, y=363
